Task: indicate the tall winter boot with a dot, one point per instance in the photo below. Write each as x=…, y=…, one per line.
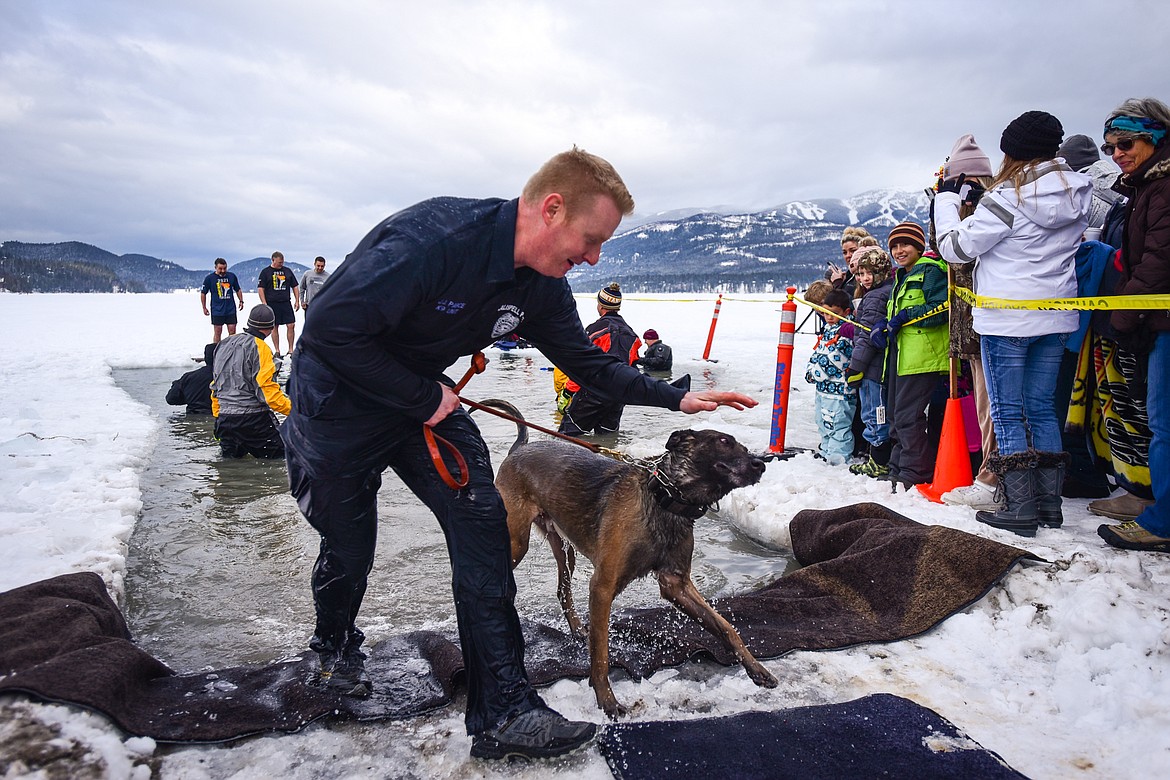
x=1050, y=470
x=1016, y=475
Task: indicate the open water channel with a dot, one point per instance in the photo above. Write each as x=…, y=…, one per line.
x=219, y=562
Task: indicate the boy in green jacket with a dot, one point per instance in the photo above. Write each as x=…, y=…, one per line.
x=917, y=352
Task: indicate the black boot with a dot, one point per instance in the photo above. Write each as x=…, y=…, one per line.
x=344, y=670
x=1050, y=469
x=1016, y=476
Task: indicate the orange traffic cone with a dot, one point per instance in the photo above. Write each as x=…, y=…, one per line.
x=952, y=468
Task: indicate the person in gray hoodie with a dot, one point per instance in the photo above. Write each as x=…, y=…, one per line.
x=244, y=393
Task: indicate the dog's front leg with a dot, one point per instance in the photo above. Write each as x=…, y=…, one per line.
x=680, y=591
x=601, y=596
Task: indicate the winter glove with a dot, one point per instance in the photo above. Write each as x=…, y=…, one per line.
x=900, y=319
x=952, y=185
x=854, y=380
x=877, y=334
x=969, y=192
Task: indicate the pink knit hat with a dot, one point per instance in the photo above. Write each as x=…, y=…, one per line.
x=966, y=157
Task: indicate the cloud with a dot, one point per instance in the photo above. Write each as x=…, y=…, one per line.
x=202, y=129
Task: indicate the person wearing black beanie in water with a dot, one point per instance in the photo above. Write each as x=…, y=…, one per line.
x=588, y=410
x=244, y=393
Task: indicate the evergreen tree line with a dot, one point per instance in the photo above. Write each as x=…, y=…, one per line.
x=26, y=276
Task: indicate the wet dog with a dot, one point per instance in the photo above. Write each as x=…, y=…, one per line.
x=629, y=520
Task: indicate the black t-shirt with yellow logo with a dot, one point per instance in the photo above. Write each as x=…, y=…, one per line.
x=278, y=284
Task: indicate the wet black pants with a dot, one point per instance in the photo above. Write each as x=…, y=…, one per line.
x=252, y=434
x=341, y=504
x=588, y=413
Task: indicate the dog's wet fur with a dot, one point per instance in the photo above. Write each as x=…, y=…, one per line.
x=610, y=512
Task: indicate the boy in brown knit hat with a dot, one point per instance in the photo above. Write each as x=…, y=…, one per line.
x=916, y=354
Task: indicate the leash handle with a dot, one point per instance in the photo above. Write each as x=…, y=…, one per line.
x=434, y=440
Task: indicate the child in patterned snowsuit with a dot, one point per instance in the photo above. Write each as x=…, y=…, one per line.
x=836, y=401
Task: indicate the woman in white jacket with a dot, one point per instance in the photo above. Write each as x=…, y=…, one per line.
x=1022, y=237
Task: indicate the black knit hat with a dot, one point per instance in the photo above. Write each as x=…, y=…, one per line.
x=610, y=297
x=1033, y=135
x=261, y=317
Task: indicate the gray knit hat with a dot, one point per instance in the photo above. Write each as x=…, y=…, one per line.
x=1079, y=152
x=261, y=317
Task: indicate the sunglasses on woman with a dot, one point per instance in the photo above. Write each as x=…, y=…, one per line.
x=1124, y=144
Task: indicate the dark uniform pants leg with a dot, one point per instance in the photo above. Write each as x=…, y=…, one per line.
x=474, y=522
x=344, y=511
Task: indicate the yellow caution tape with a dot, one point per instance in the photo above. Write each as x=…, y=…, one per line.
x=1066, y=304
x=823, y=310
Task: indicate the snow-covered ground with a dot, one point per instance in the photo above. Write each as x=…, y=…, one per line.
x=1062, y=669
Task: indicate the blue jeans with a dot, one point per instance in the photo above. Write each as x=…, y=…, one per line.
x=1156, y=518
x=873, y=397
x=1021, y=385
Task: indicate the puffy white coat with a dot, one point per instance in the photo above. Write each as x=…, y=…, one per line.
x=1022, y=247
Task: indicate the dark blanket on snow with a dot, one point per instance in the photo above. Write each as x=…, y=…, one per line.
x=876, y=736
x=870, y=575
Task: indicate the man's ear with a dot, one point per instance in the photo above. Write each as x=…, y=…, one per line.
x=552, y=206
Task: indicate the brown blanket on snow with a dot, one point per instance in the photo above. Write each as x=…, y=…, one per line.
x=870, y=575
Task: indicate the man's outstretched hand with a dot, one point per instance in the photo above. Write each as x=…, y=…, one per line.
x=710, y=400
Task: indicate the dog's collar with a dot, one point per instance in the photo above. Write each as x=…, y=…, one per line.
x=665, y=496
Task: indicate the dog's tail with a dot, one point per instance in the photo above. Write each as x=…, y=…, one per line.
x=509, y=409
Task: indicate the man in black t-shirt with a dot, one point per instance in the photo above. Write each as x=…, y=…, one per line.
x=276, y=287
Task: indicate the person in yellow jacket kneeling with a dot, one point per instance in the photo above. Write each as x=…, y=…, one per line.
x=244, y=393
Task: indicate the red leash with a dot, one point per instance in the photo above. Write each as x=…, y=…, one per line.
x=433, y=440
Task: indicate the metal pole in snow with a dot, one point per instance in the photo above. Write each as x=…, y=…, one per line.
x=783, y=372
x=711, y=333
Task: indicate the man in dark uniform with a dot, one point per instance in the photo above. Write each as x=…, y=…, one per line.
x=435, y=282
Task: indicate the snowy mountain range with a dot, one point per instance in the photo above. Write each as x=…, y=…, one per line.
x=685, y=250
x=755, y=252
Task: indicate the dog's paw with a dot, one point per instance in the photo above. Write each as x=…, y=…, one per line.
x=762, y=677
x=615, y=710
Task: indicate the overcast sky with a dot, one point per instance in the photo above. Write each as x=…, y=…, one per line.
x=191, y=130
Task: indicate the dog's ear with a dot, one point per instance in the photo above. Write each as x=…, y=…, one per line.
x=679, y=438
